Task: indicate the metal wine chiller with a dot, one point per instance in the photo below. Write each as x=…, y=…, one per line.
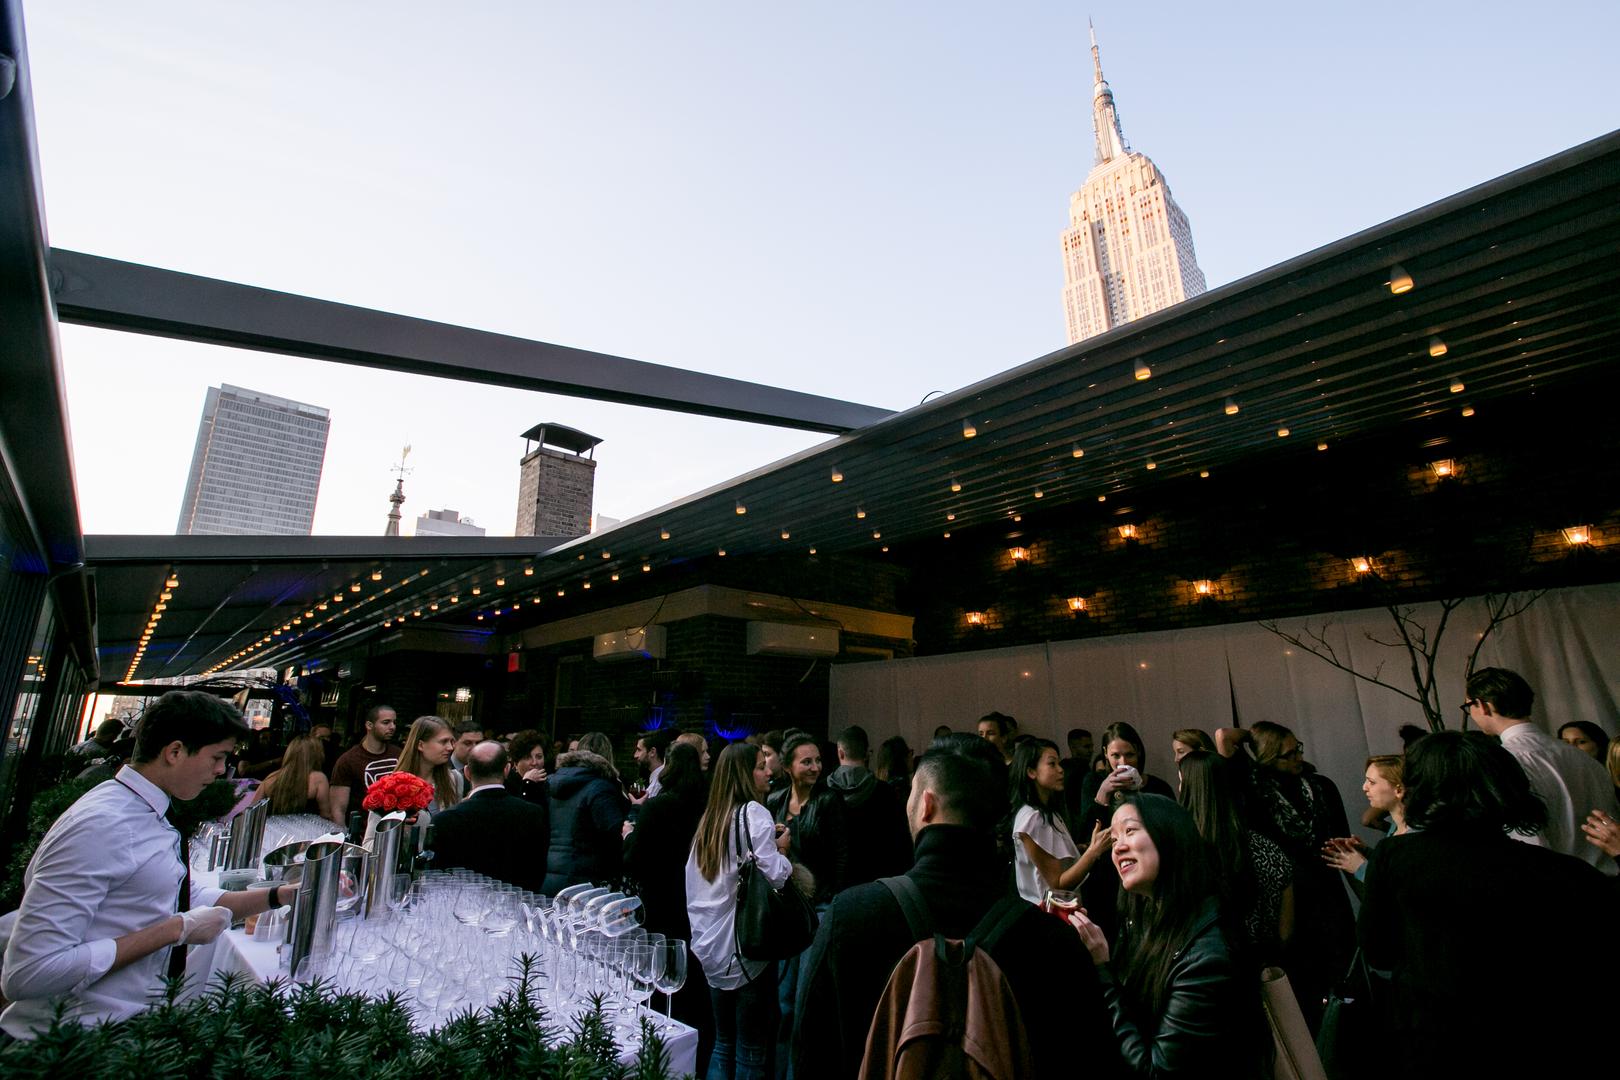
x=382, y=868
x=315, y=909
x=246, y=837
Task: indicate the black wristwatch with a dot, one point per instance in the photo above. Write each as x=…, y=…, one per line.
x=275, y=897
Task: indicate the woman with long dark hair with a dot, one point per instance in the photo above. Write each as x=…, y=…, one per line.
x=1180, y=1004
x=1045, y=856
x=1253, y=877
x=1125, y=756
x=299, y=786
x=742, y=993
x=1461, y=911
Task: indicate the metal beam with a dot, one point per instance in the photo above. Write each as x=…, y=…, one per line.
x=141, y=549
x=94, y=291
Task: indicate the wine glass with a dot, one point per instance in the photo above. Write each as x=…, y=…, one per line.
x=669, y=972
x=641, y=963
x=471, y=905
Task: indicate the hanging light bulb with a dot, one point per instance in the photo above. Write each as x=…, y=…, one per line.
x=956, y=485
x=1282, y=433
x=1437, y=347
x=1399, y=280
x=1077, y=453
x=741, y=509
x=968, y=430
x=1231, y=407
x=1141, y=371
x=1457, y=386
x=837, y=476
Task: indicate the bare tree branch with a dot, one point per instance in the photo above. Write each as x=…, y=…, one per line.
x=1315, y=643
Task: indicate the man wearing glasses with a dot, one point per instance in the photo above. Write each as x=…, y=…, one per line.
x=1571, y=783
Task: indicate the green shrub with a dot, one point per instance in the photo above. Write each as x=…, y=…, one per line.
x=47, y=806
x=252, y=1031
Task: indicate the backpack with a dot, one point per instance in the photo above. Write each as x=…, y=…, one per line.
x=948, y=1010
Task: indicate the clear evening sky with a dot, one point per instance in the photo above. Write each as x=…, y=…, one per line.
x=856, y=199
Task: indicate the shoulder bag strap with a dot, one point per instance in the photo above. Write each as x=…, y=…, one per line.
x=912, y=906
x=998, y=920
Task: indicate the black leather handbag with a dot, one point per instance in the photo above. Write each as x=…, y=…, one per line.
x=1351, y=1031
x=772, y=924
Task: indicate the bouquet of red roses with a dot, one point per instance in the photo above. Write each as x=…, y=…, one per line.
x=399, y=791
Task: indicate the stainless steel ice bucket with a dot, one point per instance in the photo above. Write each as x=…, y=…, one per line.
x=315, y=909
x=247, y=837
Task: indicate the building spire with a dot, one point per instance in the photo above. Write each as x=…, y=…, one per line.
x=1104, y=118
x=398, y=497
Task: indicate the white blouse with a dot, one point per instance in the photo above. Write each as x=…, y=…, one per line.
x=1054, y=839
x=712, y=905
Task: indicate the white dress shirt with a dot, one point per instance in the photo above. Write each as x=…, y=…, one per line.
x=712, y=905
x=1571, y=783
x=654, y=786
x=109, y=866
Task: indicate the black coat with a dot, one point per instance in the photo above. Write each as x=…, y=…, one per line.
x=820, y=836
x=877, y=835
x=864, y=934
x=655, y=857
x=1212, y=1023
x=588, y=808
x=494, y=833
x=1490, y=940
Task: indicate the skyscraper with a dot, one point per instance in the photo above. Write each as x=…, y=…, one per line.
x=1128, y=250
x=257, y=465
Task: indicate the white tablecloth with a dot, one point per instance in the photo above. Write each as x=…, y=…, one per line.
x=235, y=951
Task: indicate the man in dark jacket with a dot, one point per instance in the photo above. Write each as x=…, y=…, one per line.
x=874, y=820
x=492, y=831
x=954, y=805
x=588, y=809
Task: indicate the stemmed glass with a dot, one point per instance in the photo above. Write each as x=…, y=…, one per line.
x=669, y=971
x=641, y=962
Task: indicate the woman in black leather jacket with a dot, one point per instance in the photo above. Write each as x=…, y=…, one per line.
x=813, y=815
x=1180, y=1004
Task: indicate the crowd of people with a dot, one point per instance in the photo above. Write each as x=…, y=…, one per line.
x=1172, y=895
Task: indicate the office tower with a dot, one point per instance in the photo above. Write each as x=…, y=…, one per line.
x=557, y=482
x=1128, y=250
x=446, y=523
x=257, y=465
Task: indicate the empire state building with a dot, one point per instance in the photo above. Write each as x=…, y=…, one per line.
x=1128, y=250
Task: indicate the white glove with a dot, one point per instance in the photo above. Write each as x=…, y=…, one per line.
x=202, y=925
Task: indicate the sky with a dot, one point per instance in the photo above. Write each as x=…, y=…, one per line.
x=855, y=199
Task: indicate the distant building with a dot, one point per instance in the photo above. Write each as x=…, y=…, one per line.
x=446, y=523
x=557, y=482
x=1128, y=250
x=257, y=465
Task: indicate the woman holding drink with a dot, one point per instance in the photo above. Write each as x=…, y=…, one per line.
x=1046, y=858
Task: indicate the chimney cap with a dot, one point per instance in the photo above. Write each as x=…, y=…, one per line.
x=561, y=436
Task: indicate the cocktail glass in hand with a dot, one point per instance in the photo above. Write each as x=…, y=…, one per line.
x=1061, y=903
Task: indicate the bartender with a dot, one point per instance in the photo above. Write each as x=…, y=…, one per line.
x=108, y=908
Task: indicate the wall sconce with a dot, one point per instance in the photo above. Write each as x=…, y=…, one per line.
x=1361, y=564
x=1203, y=587
x=1076, y=604
x=1019, y=555
x=1443, y=468
x=1578, y=535
x=975, y=618
x=1127, y=532
x=1399, y=280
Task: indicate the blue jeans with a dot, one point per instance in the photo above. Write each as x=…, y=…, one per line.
x=745, y=1022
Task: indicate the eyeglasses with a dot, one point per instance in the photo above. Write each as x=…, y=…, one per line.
x=1467, y=705
x=1297, y=752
